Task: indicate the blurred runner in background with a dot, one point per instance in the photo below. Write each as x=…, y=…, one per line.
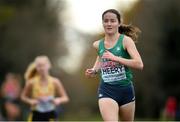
x=42, y=91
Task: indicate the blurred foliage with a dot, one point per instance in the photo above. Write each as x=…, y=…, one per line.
x=28, y=28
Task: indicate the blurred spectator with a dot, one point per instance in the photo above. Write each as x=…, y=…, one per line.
x=169, y=112
x=10, y=92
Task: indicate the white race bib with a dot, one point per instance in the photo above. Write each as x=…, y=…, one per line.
x=113, y=73
x=46, y=105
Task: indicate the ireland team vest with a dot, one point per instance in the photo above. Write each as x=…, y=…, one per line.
x=113, y=72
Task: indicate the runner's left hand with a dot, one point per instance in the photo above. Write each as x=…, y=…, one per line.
x=56, y=101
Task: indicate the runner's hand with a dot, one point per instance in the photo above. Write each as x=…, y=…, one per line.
x=90, y=72
x=33, y=102
x=109, y=55
x=56, y=101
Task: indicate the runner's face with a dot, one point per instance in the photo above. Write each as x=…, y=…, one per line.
x=42, y=66
x=110, y=23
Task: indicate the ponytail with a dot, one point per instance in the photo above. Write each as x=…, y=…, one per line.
x=30, y=72
x=130, y=31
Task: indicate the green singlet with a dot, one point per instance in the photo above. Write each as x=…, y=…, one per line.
x=113, y=72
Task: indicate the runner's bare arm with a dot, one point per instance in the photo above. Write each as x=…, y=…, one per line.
x=92, y=71
x=26, y=92
x=61, y=92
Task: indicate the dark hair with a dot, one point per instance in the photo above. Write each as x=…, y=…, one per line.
x=128, y=30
